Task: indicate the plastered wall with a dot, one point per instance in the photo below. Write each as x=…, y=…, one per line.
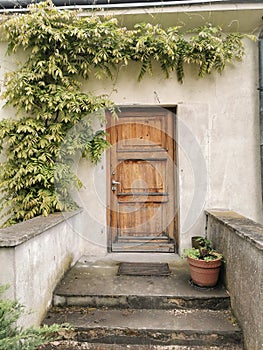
x=34, y=255
x=217, y=142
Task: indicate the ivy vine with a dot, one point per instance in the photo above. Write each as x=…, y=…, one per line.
x=61, y=47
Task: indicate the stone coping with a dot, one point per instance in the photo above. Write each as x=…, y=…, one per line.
x=17, y=234
x=245, y=228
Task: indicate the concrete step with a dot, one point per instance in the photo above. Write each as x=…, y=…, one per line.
x=97, y=284
x=144, y=246
x=152, y=327
x=73, y=345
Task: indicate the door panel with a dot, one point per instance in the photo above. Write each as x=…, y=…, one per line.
x=140, y=219
x=142, y=176
x=129, y=135
x=141, y=180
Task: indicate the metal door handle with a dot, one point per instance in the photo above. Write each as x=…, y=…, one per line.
x=113, y=185
x=113, y=182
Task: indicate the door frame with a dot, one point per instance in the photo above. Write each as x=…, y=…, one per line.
x=173, y=110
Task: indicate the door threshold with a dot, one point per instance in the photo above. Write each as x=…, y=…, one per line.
x=151, y=247
x=142, y=257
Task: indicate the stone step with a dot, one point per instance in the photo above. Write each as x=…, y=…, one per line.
x=153, y=327
x=73, y=345
x=97, y=284
x=143, y=246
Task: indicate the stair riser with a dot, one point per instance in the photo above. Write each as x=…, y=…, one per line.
x=155, y=337
x=140, y=302
x=69, y=345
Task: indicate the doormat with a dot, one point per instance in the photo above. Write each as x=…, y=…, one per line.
x=144, y=269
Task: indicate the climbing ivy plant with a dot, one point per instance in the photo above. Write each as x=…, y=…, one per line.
x=61, y=48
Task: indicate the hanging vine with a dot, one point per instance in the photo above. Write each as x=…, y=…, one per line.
x=61, y=47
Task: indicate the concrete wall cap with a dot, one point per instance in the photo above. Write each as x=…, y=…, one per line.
x=244, y=227
x=24, y=231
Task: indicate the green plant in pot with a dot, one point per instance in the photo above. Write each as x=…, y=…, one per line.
x=197, y=241
x=204, y=263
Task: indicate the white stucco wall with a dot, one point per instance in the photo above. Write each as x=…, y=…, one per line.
x=217, y=137
x=34, y=255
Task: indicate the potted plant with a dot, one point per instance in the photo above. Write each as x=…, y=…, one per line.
x=204, y=263
x=197, y=241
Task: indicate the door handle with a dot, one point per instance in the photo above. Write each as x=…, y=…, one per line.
x=113, y=185
x=113, y=182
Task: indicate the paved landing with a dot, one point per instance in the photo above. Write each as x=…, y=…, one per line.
x=98, y=277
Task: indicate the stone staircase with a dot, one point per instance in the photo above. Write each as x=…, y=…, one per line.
x=109, y=311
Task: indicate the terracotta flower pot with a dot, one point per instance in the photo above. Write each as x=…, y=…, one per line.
x=204, y=273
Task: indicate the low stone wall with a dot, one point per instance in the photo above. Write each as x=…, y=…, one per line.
x=241, y=242
x=34, y=255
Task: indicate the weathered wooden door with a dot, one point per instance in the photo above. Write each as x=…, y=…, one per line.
x=142, y=180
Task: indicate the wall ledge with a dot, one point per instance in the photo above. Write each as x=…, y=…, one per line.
x=245, y=228
x=15, y=235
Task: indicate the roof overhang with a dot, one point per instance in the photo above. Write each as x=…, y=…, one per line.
x=239, y=15
x=180, y=5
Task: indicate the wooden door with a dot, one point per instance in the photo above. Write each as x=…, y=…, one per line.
x=141, y=180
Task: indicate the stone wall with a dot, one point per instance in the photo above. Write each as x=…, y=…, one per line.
x=241, y=242
x=34, y=255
